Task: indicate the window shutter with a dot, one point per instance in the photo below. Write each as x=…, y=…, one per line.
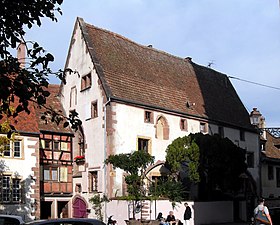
x=64, y=146
x=99, y=181
x=63, y=174
x=42, y=144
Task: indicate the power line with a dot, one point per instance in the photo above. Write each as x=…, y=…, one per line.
x=251, y=82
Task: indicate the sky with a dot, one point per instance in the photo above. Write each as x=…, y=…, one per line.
x=240, y=38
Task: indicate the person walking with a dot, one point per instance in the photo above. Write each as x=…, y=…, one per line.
x=187, y=214
x=261, y=208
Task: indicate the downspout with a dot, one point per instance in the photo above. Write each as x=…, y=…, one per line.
x=105, y=155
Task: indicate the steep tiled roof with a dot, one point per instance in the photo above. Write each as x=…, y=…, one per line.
x=143, y=75
x=272, y=147
x=54, y=102
x=24, y=122
x=32, y=123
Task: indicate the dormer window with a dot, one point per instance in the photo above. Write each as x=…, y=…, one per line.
x=86, y=82
x=148, y=117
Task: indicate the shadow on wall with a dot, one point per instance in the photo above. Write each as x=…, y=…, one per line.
x=15, y=194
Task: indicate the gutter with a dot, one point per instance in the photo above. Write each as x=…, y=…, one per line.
x=105, y=155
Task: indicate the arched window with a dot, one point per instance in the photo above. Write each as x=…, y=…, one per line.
x=162, y=128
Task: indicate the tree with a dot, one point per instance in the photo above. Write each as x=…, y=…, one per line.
x=182, y=159
x=134, y=164
x=221, y=164
x=98, y=203
x=20, y=87
x=213, y=162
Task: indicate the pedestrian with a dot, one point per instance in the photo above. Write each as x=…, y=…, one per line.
x=187, y=214
x=171, y=218
x=261, y=209
x=161, y=219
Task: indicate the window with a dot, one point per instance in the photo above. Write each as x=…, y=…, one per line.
x=48, y=144
x=55, y=173
x=183, y=124
x=144, y=144
x=203, y=127
x=148, y=117
x=93, y=181
x=56, y=145
x=94, y=111
x=50, y=173
x=221, y=131
x=242, y=135
x=86, y=82
x=162, y=128
x=278, y=176
x=270, y=173
x=250, y=159
x=13, y=149
x=10, y=189
x=73, y=96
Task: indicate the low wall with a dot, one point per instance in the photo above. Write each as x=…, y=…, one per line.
x=202, y=212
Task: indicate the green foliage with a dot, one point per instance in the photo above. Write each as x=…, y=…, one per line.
x=19, y=86
x=134, y=164
x=97, y=202
x=183, y=151
x=214, y=162
x=169, y=189
x=221, y=163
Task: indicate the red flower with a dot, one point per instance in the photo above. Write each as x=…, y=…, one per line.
x=79, y=158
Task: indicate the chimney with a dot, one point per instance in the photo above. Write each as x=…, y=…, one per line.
x=189, y=58
x=21, y=54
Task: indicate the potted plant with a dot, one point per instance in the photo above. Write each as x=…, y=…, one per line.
x=79, y=159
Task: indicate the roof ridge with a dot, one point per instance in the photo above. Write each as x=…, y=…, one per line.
x=133, y=42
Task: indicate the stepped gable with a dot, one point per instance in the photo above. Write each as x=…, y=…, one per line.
x=145, y=76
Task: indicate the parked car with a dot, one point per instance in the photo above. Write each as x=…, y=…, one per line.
x=10, y=219
x=68, y=221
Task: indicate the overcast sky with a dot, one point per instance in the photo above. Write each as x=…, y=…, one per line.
x=240, y=37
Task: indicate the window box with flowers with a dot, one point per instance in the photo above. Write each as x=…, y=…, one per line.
x=79, y=159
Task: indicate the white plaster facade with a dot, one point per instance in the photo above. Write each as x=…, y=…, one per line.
x=22, y=168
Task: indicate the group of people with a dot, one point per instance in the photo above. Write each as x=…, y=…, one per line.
x=261, y=209
x=171, y=220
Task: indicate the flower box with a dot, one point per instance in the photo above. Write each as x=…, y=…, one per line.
x=79, y=159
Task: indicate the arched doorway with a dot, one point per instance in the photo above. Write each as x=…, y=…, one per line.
x=79, y=208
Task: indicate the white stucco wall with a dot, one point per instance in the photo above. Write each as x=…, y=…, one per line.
x=22, y=167
x=80, y=61
x=269, y=187
x=202, y=212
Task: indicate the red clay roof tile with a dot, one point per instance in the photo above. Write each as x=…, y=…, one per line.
x=144, y=75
